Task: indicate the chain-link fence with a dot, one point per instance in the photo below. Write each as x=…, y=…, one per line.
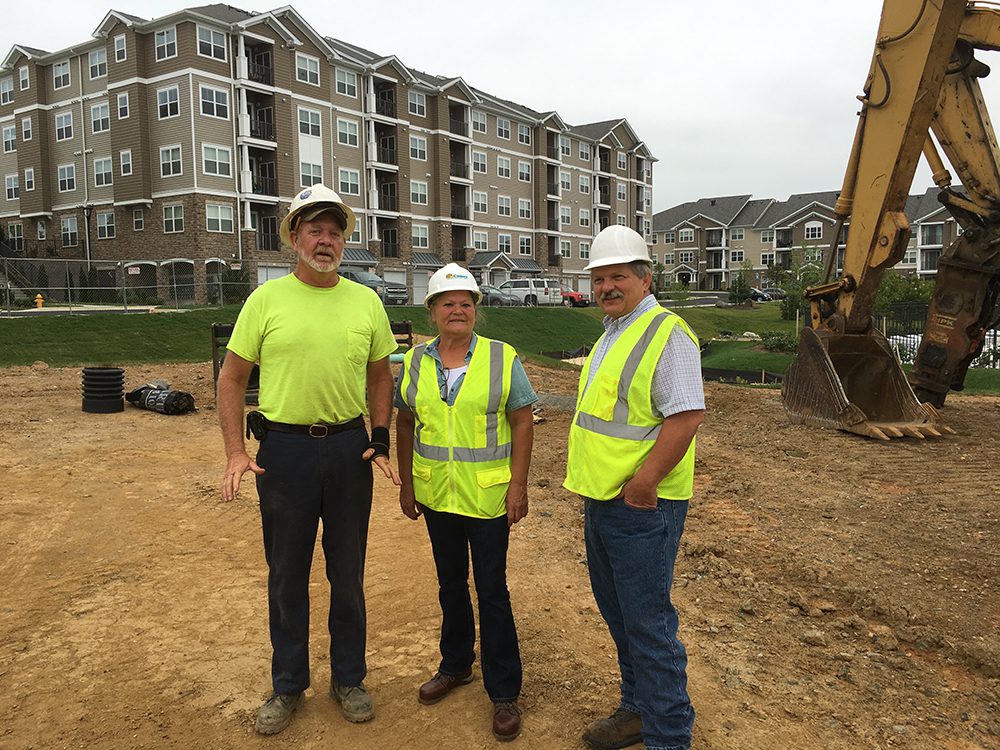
x=76, y=286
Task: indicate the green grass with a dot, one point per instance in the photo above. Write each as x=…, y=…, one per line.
x=743, y=355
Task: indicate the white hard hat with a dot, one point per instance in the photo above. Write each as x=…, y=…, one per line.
x=617, y=244
x=309, y=203
x=452, y=278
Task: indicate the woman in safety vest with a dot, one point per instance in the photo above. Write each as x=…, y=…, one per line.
x=464, y=431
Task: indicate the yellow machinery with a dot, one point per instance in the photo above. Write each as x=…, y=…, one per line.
x=923, y=78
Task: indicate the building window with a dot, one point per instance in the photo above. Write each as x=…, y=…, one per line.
x=211, y=43
x=931, y=234
x=418, y=192
x=350, y=181
x=417, y=103
x=120, y=53
x=645, y=228
x=102, y=172
x=418, y=148
x=123, y=106
x=138, y=220
x=565, y=145
x=100, y=118
x=503, y=205
x=420, y=236
x=655, y=238
x=306, y=69
x=347, y=82
x=309, y=122
x=216, y=160
x=584, y=217
x=25, y=128
x=355, y=238
x=29, y=179
x=67, y=178
x=60, y=75
x=564, y=182
x=767, y=235
x=686, y=256
x=503, y=243
x=125, y=160
x=98, y=63
x=214, y=102
x=735, y=256
x=479, y=202
x=173, y=219
x=12, y=183
x=736, y=234
x=170, y=161
x=621, y=191
x=9, y=139
x=668, y=259
x=669, y=237
x=168, y=103
x=584, y=250
x=767, y=259
x=310, y=174
x=480, y=240
x=524, y=208
x=478, y=121
x=814, y=230
x=813, y=255
x=503, y=128
x=566, y=248
x=479, y=162
x=584, y=151
x=523, y=134
x=585, y=184
x=622, y=161
x=524, y=245
x=621, y=220
x=219, y=218
x=105, y=224
x=347, y=132
x=503, y=166
x=69, y=233
x=524, y=171
x=686, y=235
x=7, y=90
x=909, y=258
x=565, y=215
x=166, y=44
x=42, y=230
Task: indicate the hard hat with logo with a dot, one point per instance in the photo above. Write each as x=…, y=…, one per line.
x=452, y=278
x=309, y=203
x=617, y=244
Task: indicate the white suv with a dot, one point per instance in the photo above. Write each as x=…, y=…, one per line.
x=534, y=291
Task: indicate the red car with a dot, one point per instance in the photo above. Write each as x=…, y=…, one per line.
x=571, y=297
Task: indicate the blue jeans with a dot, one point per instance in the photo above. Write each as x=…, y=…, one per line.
x=307, y=480
x=630, y=555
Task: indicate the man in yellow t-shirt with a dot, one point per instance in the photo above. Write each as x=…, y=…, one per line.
x=322, y=342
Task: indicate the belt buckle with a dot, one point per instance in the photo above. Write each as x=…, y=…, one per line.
x=319, y=430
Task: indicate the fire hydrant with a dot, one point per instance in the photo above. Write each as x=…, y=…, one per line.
x=39, y=300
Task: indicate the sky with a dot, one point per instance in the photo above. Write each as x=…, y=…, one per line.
x=731, y=96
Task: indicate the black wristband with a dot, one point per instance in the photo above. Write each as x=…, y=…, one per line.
x=380, y=441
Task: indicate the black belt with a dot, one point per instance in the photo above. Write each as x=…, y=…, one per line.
x=318, y=430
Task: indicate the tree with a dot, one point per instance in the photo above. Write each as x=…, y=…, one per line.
x=800, y=275
x=739, y=286
x=897, y=289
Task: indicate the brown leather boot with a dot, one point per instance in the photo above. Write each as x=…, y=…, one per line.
x=506, y=720
x=621, y=729
x=438, y=686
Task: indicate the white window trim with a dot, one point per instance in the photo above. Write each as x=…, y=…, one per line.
x=167, y=89
x=124, y=48
x=173, y=218
x=122, y=160
x=357, y=133
x=90, y=64
x=307, y=58
x=500, y=207
x=500, y=161
x=310, y=112
x=225, y=43
x=59, y=179
x=94, y=121
x=180, y=159
x=109, y=172
x=685, y=235
x=345, y=83
x=24, y=77
x=526, y=165
x=423, y=148
x=156, y=47
x=29, y=179
x=418, y=100
x=140, y=225
x=215, y=104
x=69, y=75
x=221, y=207
x=507, y=128
x=97, y=223
x=128, y=106
x=416, y=192
x=218, y=148
x=340, y=176
x=476, y=113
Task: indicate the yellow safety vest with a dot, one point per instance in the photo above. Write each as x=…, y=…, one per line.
x=461, y=453
x=614, y=427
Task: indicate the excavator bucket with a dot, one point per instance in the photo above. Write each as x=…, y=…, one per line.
x=853, y=382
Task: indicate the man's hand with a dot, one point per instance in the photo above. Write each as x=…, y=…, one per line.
x=639, y=494
x=408, y=503
x=383, y=463
x=236, y=467
x=517, y=502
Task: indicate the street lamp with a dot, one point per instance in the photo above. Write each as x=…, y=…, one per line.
x=87, y=211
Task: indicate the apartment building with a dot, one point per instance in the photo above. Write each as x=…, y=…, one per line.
x=169, y=149
x=704, y=243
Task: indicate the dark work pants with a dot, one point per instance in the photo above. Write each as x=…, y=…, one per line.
x=452, y=537
x=305, y=480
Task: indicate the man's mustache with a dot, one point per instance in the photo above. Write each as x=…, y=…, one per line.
x=612, y=295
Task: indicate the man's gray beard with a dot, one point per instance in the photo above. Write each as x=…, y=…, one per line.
x=321, y=267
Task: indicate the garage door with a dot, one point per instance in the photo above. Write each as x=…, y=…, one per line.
x=420, y=277
x=584, y=282
x=266, y=273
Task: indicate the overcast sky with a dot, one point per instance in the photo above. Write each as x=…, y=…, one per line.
x=732, y=96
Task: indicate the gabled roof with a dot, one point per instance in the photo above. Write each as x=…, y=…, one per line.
x=781, y=213
x=751, y=212
x=18, y=51
x=486, y=258
x=721, y=210
x=595, y=131
x=923, y=207
x=225, y=13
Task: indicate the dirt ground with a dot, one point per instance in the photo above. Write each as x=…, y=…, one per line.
x=834, y=592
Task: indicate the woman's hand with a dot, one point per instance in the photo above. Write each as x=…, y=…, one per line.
x=408, y=503
x=517, y=502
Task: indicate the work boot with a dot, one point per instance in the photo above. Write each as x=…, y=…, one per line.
x=354, y=701
x=506, y=720
x=276, y=713
x=438, y=686
x=621, y=729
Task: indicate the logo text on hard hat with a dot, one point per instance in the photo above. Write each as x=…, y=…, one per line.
x=305, y=194
x=455, y=276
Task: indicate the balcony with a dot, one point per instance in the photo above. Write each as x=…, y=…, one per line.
x=604, y=164
x=385, y=107
x=390, y=249
x=261, y=129
x=387, y=203
x=604, y=196
x=459, y=170
x=387, y=155
x=460, y=212
x=555, y=258
x=268, y=241
x=259, y=73
x=553, y=152
x=264, y=185
x=458, y=127
x=553, y=224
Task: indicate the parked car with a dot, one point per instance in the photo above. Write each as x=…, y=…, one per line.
x=571, y=297
x=534, y=291
x=759, y=295
x=774, y=292
x=493, y=297
x=391, y=294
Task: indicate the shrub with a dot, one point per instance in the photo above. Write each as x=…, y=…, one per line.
x=779, y=341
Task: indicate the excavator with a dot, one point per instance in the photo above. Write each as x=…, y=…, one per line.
x=922, y=87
